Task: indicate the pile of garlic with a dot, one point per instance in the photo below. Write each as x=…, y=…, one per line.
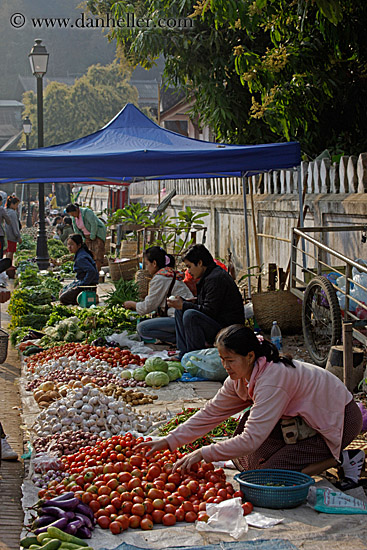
x=88, y=409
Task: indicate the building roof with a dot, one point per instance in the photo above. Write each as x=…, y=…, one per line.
x=28, y=83
x=10, y=103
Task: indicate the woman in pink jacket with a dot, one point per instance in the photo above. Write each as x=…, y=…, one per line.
x=301, y=418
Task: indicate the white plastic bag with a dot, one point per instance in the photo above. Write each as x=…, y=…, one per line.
x=225, y=517
x=204, y=363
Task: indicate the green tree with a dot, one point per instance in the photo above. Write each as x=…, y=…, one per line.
x=263, y=70
x=71, y=112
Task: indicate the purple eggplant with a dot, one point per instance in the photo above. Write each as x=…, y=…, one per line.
x=84, y=533
x=72, y=527
x=85, y=519
x=59, y=523
x=64, y=496
x=68, y=505
x=42, y=521
x=85, y=510
x=57, y=512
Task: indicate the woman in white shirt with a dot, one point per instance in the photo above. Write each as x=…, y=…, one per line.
x=165, y=282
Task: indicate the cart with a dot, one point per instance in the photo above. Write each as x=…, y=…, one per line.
x=314, y=272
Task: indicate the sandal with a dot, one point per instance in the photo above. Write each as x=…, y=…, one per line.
x=346, y=484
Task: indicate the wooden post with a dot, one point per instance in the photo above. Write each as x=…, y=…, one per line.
x=256, y=239
x=272, y=274
x=348, y=354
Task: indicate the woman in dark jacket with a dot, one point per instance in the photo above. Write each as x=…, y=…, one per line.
x=85, y=269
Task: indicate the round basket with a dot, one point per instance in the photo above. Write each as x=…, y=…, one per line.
x=124, y=269
x=274, y=488
x=281, y=306
x=4, y=339
x=142, y=279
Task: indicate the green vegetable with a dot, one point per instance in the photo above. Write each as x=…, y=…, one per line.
x=31, y=350
x=157, y=378
x=58, y=534
x=124, y=291
x=126, y=374
x=155, y=364
x=174, y=373
x=54, y=544
x=193, y=369
x=27, y=541
x=139, y=374
x=176, y=364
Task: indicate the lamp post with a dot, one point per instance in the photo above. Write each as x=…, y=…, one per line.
x=38, y=58
x=27, y=129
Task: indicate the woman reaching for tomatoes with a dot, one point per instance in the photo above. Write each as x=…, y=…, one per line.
x=302, y=417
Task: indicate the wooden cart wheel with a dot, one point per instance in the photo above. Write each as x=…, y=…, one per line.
x=321, y=319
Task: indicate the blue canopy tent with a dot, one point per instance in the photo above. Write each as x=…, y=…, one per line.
x=131, y=147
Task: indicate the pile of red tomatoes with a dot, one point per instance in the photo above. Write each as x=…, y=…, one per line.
x=126, y=488
x=114, y=356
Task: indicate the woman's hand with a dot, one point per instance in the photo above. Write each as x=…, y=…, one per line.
x=185, y=463
x=158, y=445
x=176, y=303
x=129, y=304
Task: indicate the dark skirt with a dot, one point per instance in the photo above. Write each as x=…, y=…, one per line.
x=274, y=453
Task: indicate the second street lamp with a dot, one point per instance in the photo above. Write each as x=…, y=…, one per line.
x=38, y=58
x=27, y=129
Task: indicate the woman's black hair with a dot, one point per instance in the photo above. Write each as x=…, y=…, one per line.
x=11, y=200
x=56, y=222
x=72, y=208
x=197, y=252
x=160, y=256
x=78, y=239
x=67, y=220
x=241, y=340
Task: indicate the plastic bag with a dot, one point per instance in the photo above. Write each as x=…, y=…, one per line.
x=44, y=462
x=225, y=517
x=331, y=501
x=205, y=363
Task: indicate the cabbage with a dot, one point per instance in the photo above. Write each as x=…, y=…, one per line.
x=139, y=374
x=174, y=373
x=155, y=364
x=157, y=378
x=191, y=368
x=126, y=374
x=177, y=365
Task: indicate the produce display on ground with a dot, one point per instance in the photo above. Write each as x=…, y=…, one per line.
x=118, y=487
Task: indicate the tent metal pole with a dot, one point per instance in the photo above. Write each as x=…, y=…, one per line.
x=301, y=220
x=244, y=178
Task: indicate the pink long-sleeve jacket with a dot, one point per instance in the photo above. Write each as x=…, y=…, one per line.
x=276, y=391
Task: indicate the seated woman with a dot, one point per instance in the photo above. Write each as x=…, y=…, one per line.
x=85, y=269
x=281, y=392
x=165, y=282
x=67, y=229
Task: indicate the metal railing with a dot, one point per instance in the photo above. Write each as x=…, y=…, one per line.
x=316, y=255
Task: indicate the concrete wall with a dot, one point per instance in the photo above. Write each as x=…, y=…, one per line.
x=275, y=216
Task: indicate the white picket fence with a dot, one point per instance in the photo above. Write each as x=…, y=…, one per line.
x=320, y=177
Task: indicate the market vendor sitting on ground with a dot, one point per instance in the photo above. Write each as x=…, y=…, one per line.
x=92, y=229
x=218, y=305
x=279, y=390
x=87, y=275
x=165, y=282
x=67, y=229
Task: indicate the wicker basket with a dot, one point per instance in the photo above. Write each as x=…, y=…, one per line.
x=281, y=306
x=128, y=249
x=124, y=269
x=4, y=339
x=142, y=279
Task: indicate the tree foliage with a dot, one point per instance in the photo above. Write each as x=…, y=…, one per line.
x=71, y=112
x=260, y=70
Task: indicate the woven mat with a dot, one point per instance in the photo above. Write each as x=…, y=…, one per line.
x=262, y=544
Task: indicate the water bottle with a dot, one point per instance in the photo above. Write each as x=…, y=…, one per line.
x=276, y=335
